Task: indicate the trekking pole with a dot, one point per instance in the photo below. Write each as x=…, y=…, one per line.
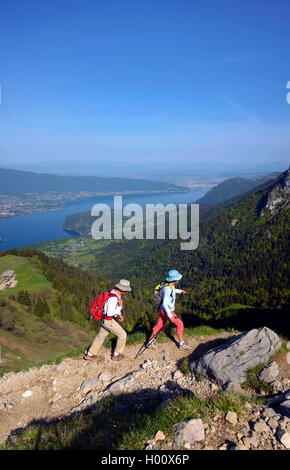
x=145, y=345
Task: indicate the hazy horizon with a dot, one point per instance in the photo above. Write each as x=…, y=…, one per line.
x=197, y=171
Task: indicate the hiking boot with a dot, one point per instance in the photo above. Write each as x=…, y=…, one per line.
x=184, y=345
x=86, y=357
x=117, y=358
x=152, y=345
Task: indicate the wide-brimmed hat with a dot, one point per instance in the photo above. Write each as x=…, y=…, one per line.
x=173, y=275
x=124, y=285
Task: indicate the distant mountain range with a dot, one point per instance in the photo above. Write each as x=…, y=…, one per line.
x=159, y=168
x=233, y=187
x=19, y=183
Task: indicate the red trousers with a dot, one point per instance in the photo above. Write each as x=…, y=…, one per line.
x=162, y=320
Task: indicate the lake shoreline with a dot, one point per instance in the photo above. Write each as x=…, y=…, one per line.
x=92, y=196
x=48, y=225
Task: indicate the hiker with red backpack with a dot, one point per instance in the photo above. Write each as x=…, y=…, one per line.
x=107, y=307
x=165, y=298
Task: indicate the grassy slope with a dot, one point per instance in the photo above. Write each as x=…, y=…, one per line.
x=27, y=274
x=32, y=339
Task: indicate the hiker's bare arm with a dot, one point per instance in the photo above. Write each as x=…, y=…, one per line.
x=181, y=291
x=121, y=318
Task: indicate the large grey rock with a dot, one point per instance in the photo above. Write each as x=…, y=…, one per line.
x=126, y=383
x=88, y=385
x=105, y=377
x=230, y=361
x=269, y=373
x=136, y=374
x=190, y=430
x=117, y=387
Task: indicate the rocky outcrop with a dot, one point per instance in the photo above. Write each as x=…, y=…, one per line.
x=278, y=197
x=126, y=383
x=230, y=361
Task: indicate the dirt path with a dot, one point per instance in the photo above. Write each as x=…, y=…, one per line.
x=56, y=388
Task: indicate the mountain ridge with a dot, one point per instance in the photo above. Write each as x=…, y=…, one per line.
x=17, y=182
x=233, y=187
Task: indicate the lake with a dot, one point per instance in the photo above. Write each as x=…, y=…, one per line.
x=44, y=226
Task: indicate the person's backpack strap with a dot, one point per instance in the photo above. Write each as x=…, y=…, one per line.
x=167, y=284
x=158, y=292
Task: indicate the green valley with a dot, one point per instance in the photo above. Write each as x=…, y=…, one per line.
x=241, y=263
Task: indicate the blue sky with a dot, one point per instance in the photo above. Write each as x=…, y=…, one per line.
x=145, y=80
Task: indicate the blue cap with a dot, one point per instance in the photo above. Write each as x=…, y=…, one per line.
x=173, y=275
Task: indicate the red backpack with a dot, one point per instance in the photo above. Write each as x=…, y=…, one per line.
x=97, y=307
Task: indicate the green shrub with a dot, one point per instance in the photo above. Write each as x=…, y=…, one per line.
x=253, y=381
x=229, y=402
x=199, y=378
x=24, y=298
x=41, y=307
x=185, y=367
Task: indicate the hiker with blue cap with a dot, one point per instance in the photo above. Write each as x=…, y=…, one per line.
x=165, y=295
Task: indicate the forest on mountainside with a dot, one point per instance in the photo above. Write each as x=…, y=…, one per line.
x=241, y=264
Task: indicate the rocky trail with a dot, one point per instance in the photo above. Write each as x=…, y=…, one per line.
x=56, y=391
